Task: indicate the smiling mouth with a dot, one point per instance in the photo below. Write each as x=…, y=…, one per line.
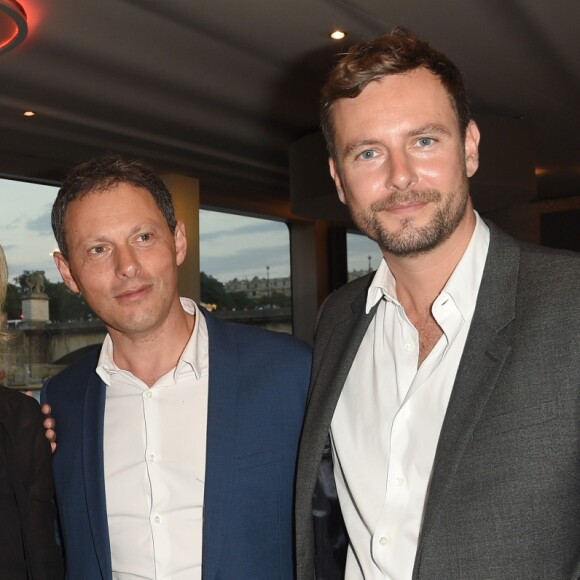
x=409, y=207
x=413, y=203
x=133, y=294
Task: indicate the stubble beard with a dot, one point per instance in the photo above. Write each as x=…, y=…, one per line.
x=410, y=240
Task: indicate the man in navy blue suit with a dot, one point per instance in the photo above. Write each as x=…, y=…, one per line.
x=178, y=437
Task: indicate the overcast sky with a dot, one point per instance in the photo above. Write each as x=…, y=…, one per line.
x=231, y=246
x=25, y=231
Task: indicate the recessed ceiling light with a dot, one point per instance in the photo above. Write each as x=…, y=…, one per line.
x=13, y=25
x=29, y=113
x=337, y=34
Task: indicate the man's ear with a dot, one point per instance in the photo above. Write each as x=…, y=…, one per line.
x=64, y=269
x=471, y=148
x=335, y=174
x=180, y=242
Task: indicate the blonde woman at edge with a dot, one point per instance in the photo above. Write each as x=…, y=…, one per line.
x=28, y=547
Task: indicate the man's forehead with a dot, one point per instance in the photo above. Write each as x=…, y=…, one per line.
x=107, y=200
x=418, y=81
x=416, y=98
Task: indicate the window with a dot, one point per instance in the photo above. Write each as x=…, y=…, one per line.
x=245, y=265
x=362, y=255
x=26, y=236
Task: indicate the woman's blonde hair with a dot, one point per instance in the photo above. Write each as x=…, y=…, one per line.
x=3, y=287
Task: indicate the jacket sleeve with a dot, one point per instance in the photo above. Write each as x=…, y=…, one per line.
x=32, y=479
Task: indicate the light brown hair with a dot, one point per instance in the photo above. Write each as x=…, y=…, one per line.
x=398, y=52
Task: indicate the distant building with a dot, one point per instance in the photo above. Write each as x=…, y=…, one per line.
x=257, y=288
x=260, y=287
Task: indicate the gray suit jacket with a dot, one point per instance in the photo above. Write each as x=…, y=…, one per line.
x=504, y=499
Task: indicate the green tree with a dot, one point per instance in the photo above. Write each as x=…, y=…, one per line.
x=240, y=301
x=276, y=299
x=21, y=281
x=64, y=305
x=213, y=291
x=13, y=304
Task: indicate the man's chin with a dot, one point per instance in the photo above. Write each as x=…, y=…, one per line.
x=410, y=240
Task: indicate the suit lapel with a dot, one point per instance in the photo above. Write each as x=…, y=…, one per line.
x=486, y=350
x=340, y=350
x=94, y=471
x=221, y=437
x=332, y=363
x=341, y=329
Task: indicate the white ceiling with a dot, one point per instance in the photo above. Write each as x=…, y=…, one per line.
x=219, y=89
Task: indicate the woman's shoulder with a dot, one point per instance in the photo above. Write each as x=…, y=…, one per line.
x=15, y=406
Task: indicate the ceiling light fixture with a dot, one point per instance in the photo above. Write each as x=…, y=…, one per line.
x=29, y=113
x=13, y=25
x=337, y=34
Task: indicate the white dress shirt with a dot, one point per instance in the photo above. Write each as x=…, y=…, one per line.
x=387, y=422
x=154, y=448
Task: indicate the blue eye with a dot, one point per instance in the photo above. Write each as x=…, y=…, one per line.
x=425, y=141
x=369, y=154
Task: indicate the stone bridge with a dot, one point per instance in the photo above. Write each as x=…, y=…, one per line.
x=37, y=350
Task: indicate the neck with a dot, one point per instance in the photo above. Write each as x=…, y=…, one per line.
x=421, y=278
x=151, y=354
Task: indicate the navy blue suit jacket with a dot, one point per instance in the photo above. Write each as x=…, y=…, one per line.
x=258, y=383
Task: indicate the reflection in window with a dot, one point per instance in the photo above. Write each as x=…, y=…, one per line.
x=245, y=265
x=362, y=255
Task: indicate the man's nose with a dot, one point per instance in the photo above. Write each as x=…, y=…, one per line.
x=401, y=173
x=127, y=264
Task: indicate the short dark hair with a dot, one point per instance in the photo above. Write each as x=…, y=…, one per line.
x=101, y=174
x=398, y=52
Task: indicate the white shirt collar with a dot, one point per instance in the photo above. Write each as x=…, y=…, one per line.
x=194, y=355
x=463, y=284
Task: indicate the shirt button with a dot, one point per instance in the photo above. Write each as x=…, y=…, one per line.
x=408, y=347
x=151, y=458
x=148, y=394
x=400, y=481
x=384, y=541
x=156, y=519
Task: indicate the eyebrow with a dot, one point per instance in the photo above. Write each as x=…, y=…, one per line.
x=358, y=145
x=430, y=128
x=100, y=238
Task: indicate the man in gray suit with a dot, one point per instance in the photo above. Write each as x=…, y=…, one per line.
x=449, y=381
